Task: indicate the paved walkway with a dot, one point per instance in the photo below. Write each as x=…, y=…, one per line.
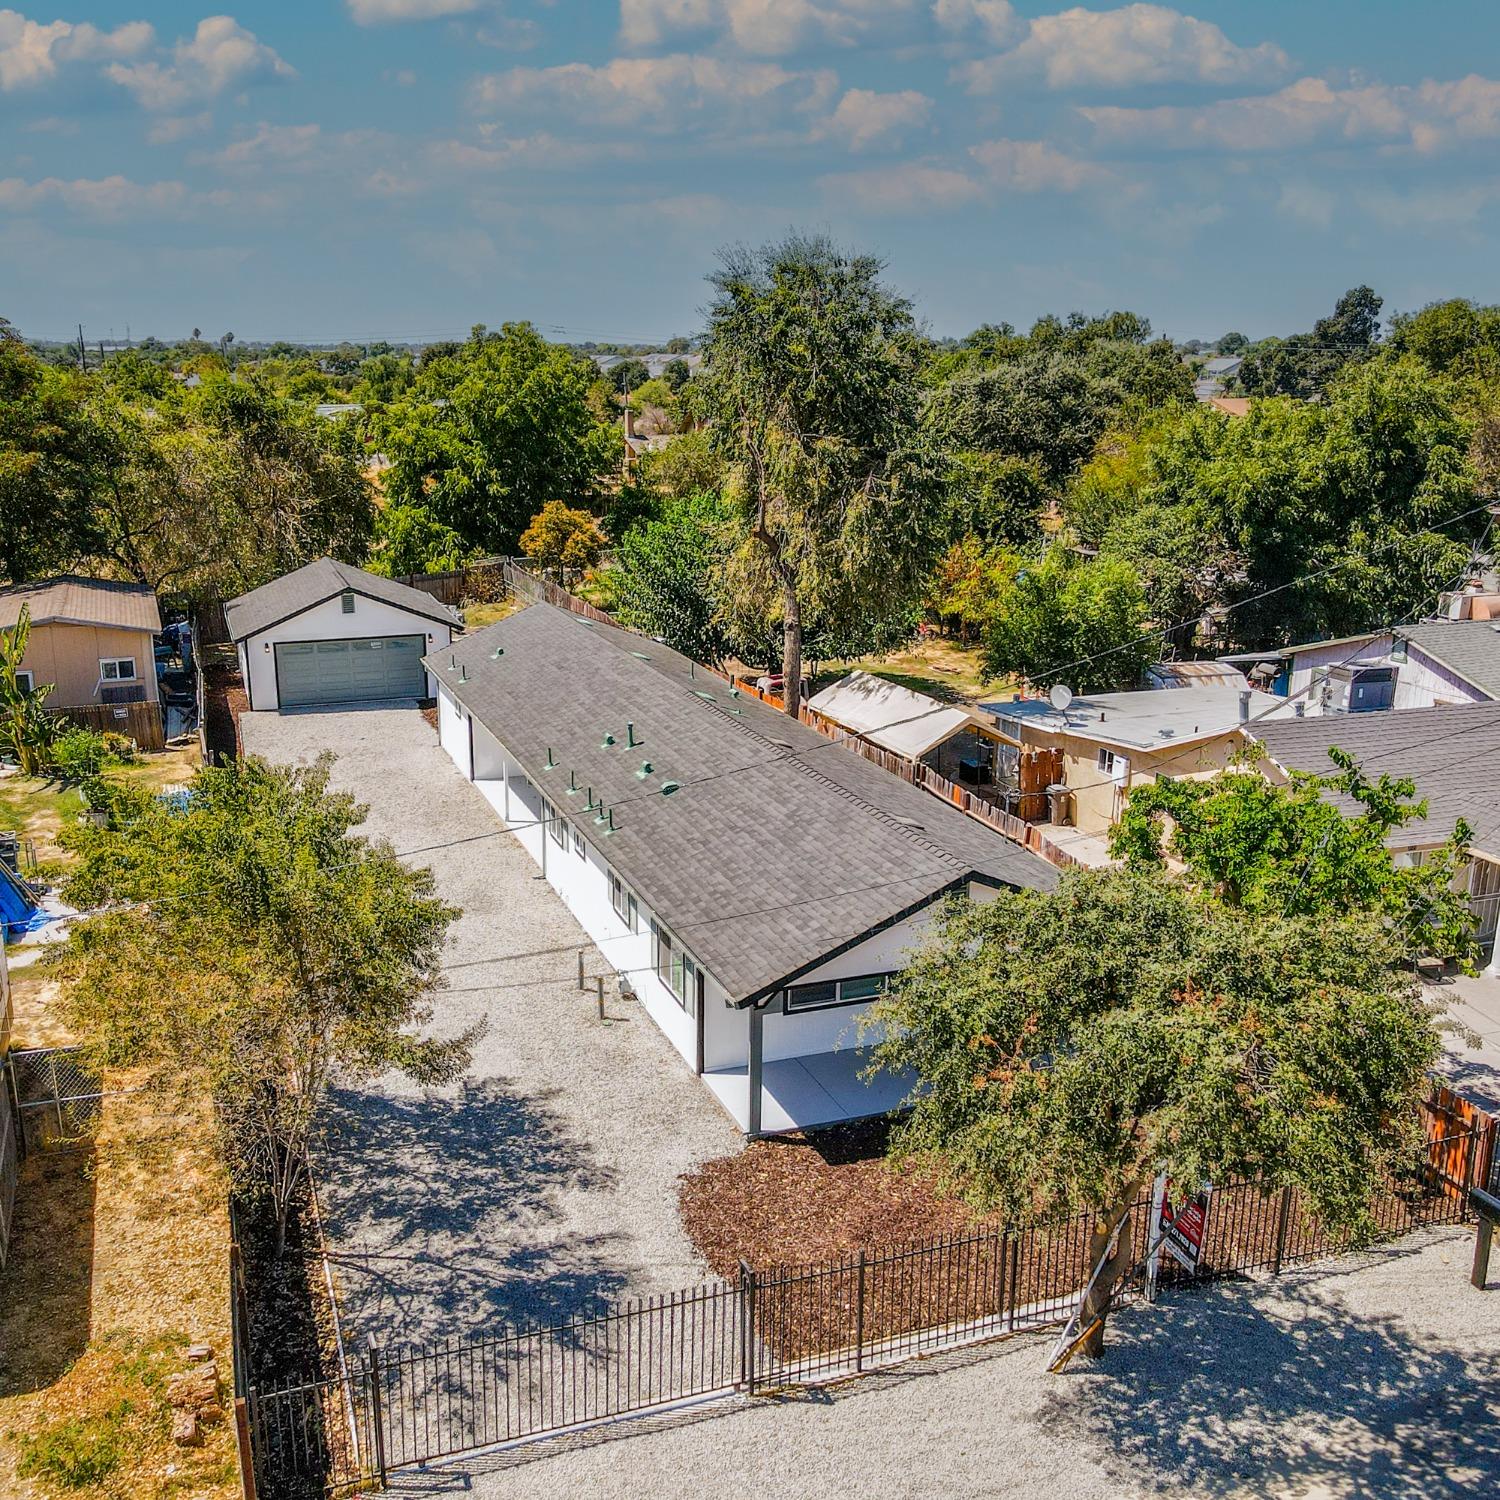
x=1368, y=1378
x=547, y=1177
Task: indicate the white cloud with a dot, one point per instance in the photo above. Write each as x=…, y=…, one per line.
x=1136, y=44
x=1425, y=116
x=659, y=92
x=1035, y=167
x=105, y=197
x=995, y=20
x=911, y=188
x=767, y=28
x=269, y=144
x=30, y=51
x=173, y=128
x=376, y=12
x=219, y=55
x=496, y=152
x=864, y=118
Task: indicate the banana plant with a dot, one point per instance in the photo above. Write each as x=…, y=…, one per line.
x=26, y=729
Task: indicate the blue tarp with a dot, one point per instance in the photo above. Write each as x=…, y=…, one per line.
x=18, y=910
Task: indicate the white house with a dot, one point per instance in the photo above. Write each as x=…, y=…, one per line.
x=753, y=883
x=1433, y=664
x=330, y=633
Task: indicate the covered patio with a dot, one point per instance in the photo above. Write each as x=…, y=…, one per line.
x=801, y=1093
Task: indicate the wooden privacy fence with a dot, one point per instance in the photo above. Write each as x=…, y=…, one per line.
x=142, y=722
x=477, y=583
x=774, y=1327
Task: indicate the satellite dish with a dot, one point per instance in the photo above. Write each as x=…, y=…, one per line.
x=1062, y=697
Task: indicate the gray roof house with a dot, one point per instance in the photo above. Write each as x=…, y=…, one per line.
x=330, y=633
x=754, y=883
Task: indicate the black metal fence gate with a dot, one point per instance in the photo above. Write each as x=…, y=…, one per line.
x=768, y=1329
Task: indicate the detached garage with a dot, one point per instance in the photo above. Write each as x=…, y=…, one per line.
x=330, y=634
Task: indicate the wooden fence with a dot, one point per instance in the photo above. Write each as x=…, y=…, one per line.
x=141, y=722
x=478, y=582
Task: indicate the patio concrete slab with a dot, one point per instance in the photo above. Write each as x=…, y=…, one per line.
x=801, y=1093
x=546, y=1178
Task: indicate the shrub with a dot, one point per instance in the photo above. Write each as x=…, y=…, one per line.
x=76, y=754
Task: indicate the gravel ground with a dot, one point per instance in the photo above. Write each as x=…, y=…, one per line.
x=547, y=1176
x=1373, y=1376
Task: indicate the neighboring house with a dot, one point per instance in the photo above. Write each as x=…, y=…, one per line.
x=1417, y=666
x=1450, y=753
x=1223, y=366
x=93, y=639
x=955, y=741
x=1195, y=674
x=330, y=633
x=752, y=882
x=1110, y=742
x=1231, y=406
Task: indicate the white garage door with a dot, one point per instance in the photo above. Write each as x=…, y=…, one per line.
x=316, y=672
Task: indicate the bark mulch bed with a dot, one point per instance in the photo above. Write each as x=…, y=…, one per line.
x=225, y=701
x=797, y=1199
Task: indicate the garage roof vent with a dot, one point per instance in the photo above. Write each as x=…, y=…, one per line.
x=347, y=599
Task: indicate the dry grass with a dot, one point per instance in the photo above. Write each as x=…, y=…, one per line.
x=477, y=616
x=935, y=665
x=33, y=995
x=119, y=1262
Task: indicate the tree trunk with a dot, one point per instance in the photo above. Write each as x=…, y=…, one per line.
x=791, y=648
x=1097, y=1304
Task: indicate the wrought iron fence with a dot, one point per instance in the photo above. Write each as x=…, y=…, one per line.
x=777, y=1327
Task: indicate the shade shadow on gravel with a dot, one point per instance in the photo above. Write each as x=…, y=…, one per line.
x=1214, y=1395
x=442, y=1211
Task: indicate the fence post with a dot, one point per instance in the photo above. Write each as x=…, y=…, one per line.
x=1281, y=1223
x=247, y=1454
x=859, y=1315
x=599, y=993
x=747, y=1327
x=377, y=1413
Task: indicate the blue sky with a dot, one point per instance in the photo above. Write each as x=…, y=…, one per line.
x=404, y=168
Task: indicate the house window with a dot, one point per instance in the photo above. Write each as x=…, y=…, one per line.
x=1113, y=765
x=348, y=603
x=559, y=827
x=622, y=898
x=578, y=844
x=829, y=992
x=26, y=682
x=676, y=969
x=117, y=669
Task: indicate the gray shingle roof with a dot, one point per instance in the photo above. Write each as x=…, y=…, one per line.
x=781, y=847
x=1452, y=754
x=316, y=583
x=1469, y=647
x=71, y=600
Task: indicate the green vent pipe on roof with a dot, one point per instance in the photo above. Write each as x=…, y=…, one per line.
x=668, y=787
x=645, y=770
x=551, y=764
x=497, y=653
x=607, y=741
x=572, y=787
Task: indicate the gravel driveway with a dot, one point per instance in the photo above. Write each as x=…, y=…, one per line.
x=1367, y=1378
x=545, y=1178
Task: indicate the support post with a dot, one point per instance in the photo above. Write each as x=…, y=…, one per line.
x=753, y=1073
x=377, y=1414
x=747, y=1327
x=599, y=993
x=580, y=968
x=1281, y=1223
x=247, y=1454
x=859, y=1315
x=1484, y=1239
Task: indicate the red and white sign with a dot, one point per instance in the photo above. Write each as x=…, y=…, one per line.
x=1181, y=1226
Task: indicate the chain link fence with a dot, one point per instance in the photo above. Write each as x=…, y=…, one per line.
x=57, y=1097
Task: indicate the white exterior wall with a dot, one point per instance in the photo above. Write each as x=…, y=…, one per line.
x=1420, y=681
x=328, y=622
x=583, y=883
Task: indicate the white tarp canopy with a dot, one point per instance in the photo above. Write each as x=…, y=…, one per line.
x=891, y=716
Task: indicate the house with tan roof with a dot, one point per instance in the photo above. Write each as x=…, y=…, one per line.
x=92, y=639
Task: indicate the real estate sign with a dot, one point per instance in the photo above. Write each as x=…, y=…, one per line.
x=1180, y=1225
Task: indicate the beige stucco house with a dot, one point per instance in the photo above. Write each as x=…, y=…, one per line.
x=1111, y=742
x=91, y=638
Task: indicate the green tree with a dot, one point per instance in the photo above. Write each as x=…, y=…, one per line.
x=628, y=375
x=1070, y=1046
x=969, y=583
x=410, y=539
x=489, y=433
x=995, y=497
x=811, y=376
x=668, y=573
x=1068, y=620
x=1316, y=845
x=1304, y=364
x=562, y=537
x=250, y=948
